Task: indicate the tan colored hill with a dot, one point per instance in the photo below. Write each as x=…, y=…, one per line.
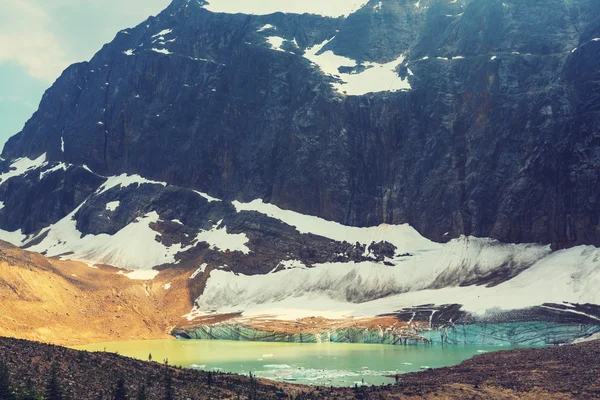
x=69, y=303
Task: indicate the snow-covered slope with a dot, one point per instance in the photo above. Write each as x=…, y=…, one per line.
x=404, y=237
x=135, y=247
x=22, y=166
x=368, y=288
x=571, y=276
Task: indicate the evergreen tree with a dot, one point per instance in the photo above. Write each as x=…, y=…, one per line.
x=209, y=379
x=120, y=393
x=53, y=391
x=29, y=392
x=169, y=395
x=6, y=392
x=141, y=393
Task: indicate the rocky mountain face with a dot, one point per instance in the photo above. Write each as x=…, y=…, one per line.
x=495, y=136
x=358, y=162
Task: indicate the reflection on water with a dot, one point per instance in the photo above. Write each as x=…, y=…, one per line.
x=316, y=364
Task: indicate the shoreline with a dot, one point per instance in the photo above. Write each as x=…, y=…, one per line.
x=520, y=373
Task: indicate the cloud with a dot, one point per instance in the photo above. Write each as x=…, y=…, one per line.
x=26, y=38
x=18, y=101
x=46, y=36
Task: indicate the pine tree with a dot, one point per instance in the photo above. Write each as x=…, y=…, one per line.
x=29, y=392
x=169, y=395
x=6, y=392
x=120, y=393
x=53, y=391
x=141, y=393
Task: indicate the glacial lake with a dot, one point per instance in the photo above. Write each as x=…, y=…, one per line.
x=321, y=364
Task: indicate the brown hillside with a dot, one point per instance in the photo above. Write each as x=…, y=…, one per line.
x=69, y=303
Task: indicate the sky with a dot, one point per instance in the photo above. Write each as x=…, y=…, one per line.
x=40, y=38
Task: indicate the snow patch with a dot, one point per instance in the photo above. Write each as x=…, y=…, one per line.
x=16, y=238
x=220, y=240
x=288, y=264
x=291, y=264
x=161, y=51
x=125, y=180
x=266, y=27
x=206, y=196
x=404, y=237
x=164, y=32
x=276, y=42
x=167, y=286
x=134, y=247
x=23, y=165
x=199, y=271
x=374, y=78
x=139, y=275
x=129, y=52
x=61, y=166
x=112, y=206
x=330, y=8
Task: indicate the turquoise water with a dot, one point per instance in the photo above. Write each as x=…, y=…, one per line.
x=324, y=364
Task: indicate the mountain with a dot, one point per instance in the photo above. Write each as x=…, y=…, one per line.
x=358, y=159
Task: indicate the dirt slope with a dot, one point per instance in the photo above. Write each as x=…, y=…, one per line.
x=69, y=303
